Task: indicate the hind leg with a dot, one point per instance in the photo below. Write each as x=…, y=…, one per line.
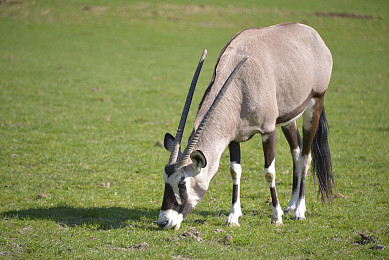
x=294, y=140
x=236, y=171
x=311, y=118
x=269, y=149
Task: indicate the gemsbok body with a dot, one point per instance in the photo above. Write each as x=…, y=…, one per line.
x=264, y=77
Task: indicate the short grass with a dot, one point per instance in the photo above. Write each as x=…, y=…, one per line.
x=89, y=88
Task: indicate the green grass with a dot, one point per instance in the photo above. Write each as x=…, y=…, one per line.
x=89, y=88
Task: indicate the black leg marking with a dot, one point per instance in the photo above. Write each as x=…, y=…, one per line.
x=269, y=148
x=292, y=135
x=294, y=140
x=234, y=152
x=274, y=199
x=302, y=187
x=236, y=171
x=295, y=178
x=235, y=193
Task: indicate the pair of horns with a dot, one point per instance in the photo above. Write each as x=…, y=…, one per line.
x=195, y=138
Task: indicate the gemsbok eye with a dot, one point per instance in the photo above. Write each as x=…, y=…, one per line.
x=182, y=184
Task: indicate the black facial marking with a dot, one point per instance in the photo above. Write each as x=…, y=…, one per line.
x=187, y=206
x=182, y=191
x=170, y=202
x=199, y=191
x=169, y=199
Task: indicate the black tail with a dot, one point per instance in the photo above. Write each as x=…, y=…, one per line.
x=321, y=159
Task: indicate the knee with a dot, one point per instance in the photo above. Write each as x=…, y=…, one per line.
x=295, y=153
x=270, y=175
x=235, y=170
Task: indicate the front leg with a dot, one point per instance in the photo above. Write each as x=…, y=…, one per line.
x=269, y=149
x=236, y=172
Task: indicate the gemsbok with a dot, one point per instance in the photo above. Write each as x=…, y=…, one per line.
x=263, y=78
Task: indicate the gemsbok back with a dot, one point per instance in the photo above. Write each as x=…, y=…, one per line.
x=264, y=77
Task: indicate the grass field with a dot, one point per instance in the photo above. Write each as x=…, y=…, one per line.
x=89, y=88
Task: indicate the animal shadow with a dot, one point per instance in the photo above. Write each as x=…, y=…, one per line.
x=104, y=218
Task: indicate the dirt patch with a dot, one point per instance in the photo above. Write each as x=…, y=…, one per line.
x=17, y=250
x=228, y=240
x=187, y=10
x=364, y=238
x=42, y=196
x=378, y=247
x=105, y=185
x=94, y=8
x=159, y=143
x=192, y=233
x=344, y=15
x=142, y=246
x=180, y=257
x=25, y=229
x=340, y=196
x=199, y=221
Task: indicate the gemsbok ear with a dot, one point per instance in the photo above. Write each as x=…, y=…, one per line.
x=198, y=159
x=168, y=142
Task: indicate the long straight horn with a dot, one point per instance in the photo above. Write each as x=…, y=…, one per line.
x=185, y=111
x=195, y=138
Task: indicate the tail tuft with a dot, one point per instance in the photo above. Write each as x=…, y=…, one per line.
x=321, y=160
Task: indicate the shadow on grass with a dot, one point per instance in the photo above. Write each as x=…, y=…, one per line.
x=95, y=218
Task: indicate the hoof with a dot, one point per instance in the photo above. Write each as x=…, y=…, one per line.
x=299, y=213
x=289, y=210
x=232, y=224
x=233, y=219
x=277, y=222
